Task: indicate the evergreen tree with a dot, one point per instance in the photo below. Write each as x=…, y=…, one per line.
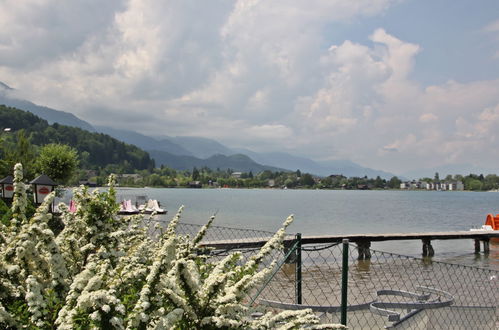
x=195, y=174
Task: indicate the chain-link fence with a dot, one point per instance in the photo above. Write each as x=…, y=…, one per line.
x=386, y=291
x=232, y=236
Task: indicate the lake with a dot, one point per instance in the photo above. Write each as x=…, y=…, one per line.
x=332, y=212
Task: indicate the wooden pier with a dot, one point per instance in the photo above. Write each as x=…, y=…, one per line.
x=363, y=241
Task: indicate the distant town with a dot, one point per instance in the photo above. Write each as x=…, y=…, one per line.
x=451, y=186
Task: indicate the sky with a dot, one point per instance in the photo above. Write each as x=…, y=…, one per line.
x=389, y=84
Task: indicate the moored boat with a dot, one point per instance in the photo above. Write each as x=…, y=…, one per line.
x=152, y=206
x=492, y=221
x=491, y=224
x=127, y=207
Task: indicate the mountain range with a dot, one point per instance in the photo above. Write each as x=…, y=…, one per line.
x=186, y=152
x=50, y=115
x=96, y=150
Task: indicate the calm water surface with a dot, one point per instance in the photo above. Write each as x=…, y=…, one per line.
x=332, y=212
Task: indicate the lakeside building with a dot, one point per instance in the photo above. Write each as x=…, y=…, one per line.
x=445, y=186
x=88, y=183
x=413, y=185
x=195, y=184
x=132, y=176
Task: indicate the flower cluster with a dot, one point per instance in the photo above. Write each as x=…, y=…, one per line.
x=20, y=201
x=105, y=271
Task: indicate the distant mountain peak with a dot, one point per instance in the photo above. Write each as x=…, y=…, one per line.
x=50, y=115
x=202, y=147
x=236, y=162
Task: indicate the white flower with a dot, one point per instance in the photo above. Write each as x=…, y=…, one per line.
x=95, y=316
x=117, y=322
x=168, y=321
x=98, y=256
x=120, y=308
x=13, y=269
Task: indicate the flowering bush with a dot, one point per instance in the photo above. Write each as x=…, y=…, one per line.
x=105, y=271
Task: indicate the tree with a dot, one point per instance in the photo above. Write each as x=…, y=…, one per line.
x=474, y=184
x=58, y=161
x=437, y=177
x=307, y=180
x=195, y=174
x=491, y=182
x=155, y=180
x=18, y=151
x=24, y=153
x=327, y=182
x=394, y=183
x=379, y=183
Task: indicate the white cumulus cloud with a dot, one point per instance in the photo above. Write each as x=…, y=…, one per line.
x=250, y=73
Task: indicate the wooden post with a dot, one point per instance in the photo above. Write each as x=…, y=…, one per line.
x=360, y=250
x=292, y=257
x=364, y=249
x=486, y=246
x=477, y=246
x=427, y=248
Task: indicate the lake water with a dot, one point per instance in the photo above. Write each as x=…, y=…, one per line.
x=332, y=212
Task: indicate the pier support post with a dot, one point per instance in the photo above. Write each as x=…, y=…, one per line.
x=486, y=246
x=427, y=248
x=477, y=246
x=364, y=249
x=288, y=245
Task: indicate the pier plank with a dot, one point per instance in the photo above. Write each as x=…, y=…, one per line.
x=259, y=242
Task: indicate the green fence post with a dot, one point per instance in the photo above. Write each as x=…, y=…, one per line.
x=344, y=283
x=298, y=292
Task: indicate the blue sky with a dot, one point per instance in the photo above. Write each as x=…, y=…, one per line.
x=390, y=84
x=450, y=33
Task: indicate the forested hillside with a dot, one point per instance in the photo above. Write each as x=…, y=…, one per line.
x=238, y=162
x=96, y=150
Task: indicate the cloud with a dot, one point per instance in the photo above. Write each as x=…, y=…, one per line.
x=401, y=144
x=390, y=148
x=270, y=132
x=406, y=123
x=493, y=29
x=35, y=32
x=250, y=73
x=428, y=118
